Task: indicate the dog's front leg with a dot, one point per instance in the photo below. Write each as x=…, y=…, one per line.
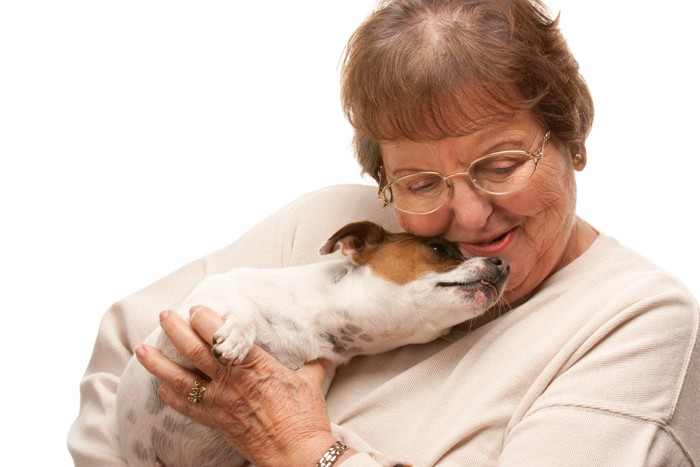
x=234, y=339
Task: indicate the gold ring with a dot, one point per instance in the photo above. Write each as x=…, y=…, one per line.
x=197, y=392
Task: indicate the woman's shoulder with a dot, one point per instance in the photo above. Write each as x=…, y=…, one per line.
x=627, y=333
x=610, y=286
x=610, y=264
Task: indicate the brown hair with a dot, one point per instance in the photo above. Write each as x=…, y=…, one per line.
x=428, y=69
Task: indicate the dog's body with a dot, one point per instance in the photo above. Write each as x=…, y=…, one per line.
x=394, y=290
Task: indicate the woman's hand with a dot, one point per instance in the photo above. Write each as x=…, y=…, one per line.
x=268, y=413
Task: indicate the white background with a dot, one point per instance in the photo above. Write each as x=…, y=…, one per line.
x=136, y=136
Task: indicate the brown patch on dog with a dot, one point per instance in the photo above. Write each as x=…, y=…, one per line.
x=403, y=257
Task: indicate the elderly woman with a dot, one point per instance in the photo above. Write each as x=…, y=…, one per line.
x=472, y=117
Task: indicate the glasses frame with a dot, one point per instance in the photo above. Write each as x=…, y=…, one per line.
x=536, y=157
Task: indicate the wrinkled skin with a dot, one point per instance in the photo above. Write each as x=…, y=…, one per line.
x=545, y=233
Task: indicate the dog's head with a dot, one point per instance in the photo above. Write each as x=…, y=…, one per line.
x=430, y=267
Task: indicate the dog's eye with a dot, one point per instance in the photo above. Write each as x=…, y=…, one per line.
x=445, y=250
x=439, y=248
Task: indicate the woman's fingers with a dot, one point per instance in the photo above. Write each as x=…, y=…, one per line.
x=179, y=379
x=185, y=402
x=189, y=343
x=315, y=372
x=205, y=321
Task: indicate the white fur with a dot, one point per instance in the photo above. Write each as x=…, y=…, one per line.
x=333, y=310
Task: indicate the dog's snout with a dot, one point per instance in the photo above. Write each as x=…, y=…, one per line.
x=501, y=268
x=501, y=265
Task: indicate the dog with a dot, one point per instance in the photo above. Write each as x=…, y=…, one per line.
x=389, y=290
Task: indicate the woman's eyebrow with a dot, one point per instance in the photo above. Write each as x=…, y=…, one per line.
x=514, y=143
x=403, y=171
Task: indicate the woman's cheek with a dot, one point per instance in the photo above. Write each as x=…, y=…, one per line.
x=426, y=225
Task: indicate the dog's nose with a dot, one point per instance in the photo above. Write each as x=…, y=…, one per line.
x=502, y=265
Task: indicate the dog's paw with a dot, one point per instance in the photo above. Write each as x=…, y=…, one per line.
x=233, y=340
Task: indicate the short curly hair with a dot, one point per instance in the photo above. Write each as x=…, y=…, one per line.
x=427, y=69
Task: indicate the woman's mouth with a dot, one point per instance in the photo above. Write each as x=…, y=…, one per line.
x=491, y=247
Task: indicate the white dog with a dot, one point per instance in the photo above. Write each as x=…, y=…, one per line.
x=390, y=290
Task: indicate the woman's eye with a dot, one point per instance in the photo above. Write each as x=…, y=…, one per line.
x=424, y=185
x=501, y=166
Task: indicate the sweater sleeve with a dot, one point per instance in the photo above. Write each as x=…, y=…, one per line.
x=290, y=236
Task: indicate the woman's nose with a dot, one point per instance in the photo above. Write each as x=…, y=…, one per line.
x=471, y=208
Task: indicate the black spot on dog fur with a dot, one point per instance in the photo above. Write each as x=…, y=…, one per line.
x=338, y=346
x=140, y=450
x=154, y=403
x=340, y=275
x=287, y=323
x=350, y=331
x=160, y=441
x=172, y=425
x=131, y=416
x=345, y=314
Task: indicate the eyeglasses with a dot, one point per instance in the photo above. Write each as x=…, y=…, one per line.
x=498, y=173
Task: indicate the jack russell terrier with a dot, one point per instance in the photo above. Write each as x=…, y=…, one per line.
x=392, y=289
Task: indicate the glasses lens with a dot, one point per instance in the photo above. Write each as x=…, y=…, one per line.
x=504, y=172
x=417, y=193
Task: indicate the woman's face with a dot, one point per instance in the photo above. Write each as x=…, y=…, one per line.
x=533, y=228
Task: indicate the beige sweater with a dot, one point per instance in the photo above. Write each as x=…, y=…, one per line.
x=601, y=367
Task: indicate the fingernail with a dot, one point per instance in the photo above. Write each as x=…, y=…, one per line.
x=194, y=310
x=140, y=351
x=164, y=315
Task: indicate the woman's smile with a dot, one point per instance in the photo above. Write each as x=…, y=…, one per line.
x=490, y=246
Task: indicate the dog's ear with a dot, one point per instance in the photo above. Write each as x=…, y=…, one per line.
x=353, y=238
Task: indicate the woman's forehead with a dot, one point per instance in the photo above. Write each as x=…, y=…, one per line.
x=442, y=114
x=515, y=127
